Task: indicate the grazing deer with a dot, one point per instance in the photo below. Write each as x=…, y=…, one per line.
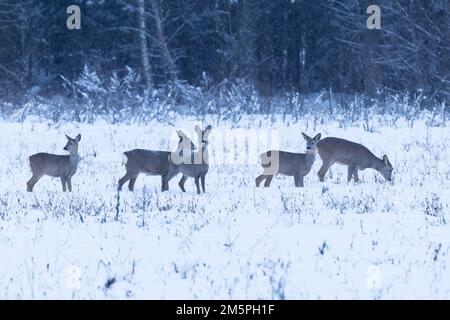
x=196, y=164
x=290, y=164
x=54, y=165
x=354, y=155
x=151, y=162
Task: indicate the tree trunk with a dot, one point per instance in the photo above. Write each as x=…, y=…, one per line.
x=169, y=64
x=148, y=76
x=372, y=70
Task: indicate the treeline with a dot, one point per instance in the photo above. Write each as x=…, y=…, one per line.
x=277, y=46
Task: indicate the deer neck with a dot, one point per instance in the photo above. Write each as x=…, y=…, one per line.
x=205, y=154
x=201, y=156
x=376, y=163
x=310, y=156
x=74, y=158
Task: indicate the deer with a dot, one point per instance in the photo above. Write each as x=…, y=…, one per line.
x=152, y=162
x=58, y=166
x=354, y=155
x=296, y=165
x=195, y=164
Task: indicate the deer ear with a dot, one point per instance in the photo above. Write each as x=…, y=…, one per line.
x=78, y=138
x=305, y=136
x=317, y=137
x=180, y=133
x=207, y=131
x=198, y=130
x=68, y=138
x=385, y=159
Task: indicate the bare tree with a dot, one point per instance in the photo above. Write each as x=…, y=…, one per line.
x=168, y=61
x=148, y=75
x=20, y=42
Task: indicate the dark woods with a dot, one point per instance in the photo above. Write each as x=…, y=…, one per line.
x=274, y=47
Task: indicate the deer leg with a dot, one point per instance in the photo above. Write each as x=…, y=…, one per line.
x=63, y=183
x=164, y=183
x=30, y=184
x=131, y=183
x=259, y=179
x=173, y=171
x=323, y=170
x=297, y=181
x=351, y=169
x=268, y=181
x=69, y=183
x=203, y=182
x=182, y=182
x=124, y=179
x=197, y=184
x=355, y=175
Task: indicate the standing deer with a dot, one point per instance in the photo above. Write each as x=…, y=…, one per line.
x=196, y=164
x=151, y=162
x=54, y=165
x=296, y=165
x=354, y=155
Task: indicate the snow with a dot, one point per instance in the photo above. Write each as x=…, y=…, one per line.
x=332, y=240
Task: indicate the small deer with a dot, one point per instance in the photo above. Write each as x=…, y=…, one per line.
x=196, y=164
x=354, y=155
x=296, y=165
x=151, y=162
x=58, y=166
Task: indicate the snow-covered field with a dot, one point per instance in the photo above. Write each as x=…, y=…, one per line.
x=371, y=240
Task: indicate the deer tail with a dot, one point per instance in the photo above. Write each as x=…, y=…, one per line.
x=124, y=158
x=265, y=159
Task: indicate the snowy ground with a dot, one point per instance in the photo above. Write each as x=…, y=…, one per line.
x=369, y=240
